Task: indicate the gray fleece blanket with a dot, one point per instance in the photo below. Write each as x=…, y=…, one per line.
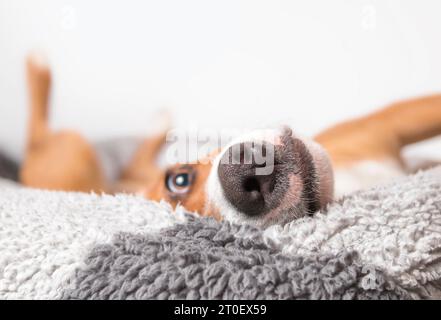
x=383, y=243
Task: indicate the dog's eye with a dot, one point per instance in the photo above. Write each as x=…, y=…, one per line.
x=179, y=182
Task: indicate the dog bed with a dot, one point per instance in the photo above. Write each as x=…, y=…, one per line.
x=384, y=243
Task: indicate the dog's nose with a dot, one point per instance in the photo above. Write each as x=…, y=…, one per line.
x=249, y=178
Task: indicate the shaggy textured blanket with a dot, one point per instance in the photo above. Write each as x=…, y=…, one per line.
x=384, y=243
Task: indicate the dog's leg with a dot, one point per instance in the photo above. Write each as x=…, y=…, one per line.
x=143, y=169
x=414, y=120
x=367, y=151
x=384, y=133
x=39, y=81
x=54, y=160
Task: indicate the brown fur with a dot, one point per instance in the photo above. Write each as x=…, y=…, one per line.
x=194, y=200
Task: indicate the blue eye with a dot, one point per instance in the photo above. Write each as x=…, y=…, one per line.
x=178, y=183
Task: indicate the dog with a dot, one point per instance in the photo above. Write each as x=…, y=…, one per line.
x=306, y=174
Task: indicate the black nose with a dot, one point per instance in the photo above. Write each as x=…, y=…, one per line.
x=250, y=178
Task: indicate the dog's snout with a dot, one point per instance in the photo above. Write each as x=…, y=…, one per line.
x=249, y=177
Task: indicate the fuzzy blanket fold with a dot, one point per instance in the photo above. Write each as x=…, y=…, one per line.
x=383, y=243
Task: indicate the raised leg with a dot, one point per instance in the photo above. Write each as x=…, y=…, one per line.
x=57, y=161
x=143, y=169
x=382, y=134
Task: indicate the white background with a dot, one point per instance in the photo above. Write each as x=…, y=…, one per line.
x=216, y=64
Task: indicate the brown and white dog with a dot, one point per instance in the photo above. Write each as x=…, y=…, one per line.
x=305, y=174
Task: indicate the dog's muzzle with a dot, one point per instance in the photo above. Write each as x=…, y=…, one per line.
x=263, y=181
